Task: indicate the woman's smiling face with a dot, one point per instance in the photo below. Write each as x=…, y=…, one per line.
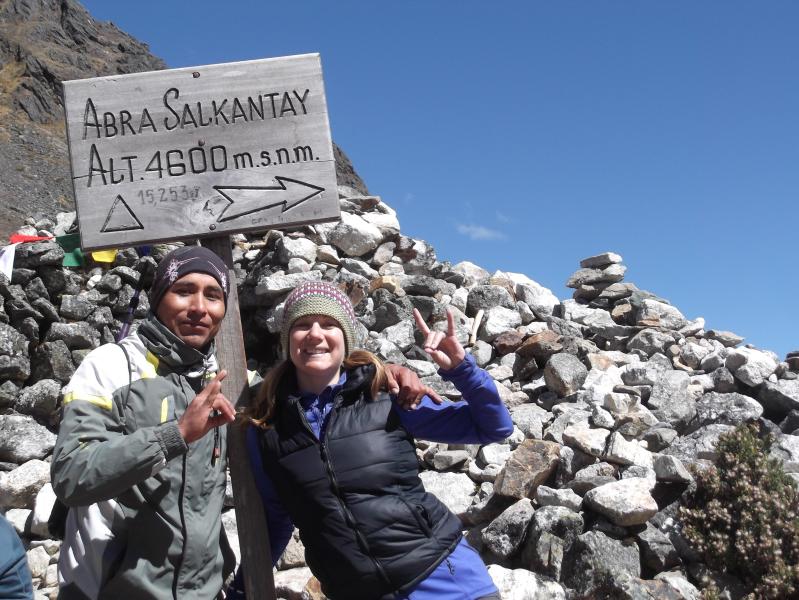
x=317, y=346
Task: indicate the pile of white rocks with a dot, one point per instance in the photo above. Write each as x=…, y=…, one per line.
x=614, y=395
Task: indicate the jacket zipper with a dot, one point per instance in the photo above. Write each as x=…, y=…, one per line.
x=180, y=508
x=334, y=483
x=182, y=530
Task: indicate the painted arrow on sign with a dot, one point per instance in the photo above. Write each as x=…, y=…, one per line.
x=247, y=199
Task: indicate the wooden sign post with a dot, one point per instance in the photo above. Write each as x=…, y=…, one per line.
x=200, y=151
x=250, y=518
x=204, y=152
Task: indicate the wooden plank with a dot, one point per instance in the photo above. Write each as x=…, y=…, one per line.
x=250, y=519
x=200, y=151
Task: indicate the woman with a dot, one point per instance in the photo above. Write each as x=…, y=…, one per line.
x=334, y=455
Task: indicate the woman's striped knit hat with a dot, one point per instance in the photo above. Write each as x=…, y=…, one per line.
x=319, y=298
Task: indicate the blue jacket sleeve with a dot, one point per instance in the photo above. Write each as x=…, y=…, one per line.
x=278, y=520
x=480, y=418
x=15, y=576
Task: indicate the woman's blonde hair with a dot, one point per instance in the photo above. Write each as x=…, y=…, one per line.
x=262, y=409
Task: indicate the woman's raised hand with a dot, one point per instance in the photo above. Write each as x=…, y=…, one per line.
x=444, y=348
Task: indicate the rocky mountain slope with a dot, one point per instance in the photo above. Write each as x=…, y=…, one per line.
x=614, y=394
x=43, y=43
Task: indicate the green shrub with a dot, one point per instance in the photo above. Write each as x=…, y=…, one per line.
x=743, y=518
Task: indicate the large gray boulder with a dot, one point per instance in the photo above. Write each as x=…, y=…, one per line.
x=727, y=409
x=498, y=319
x=485, y=297
x=455, y=490
x=564, y=373
x=289, y=248
x=626, y=502
x=76, y=336
x=652, y=313
x=657, y=551
x=18, y=488
x=670, y=400
x=505, y=534
x=595, y=558
x=39, y=399
x=699, y=445
x=354, y=236
x=780, y=398
x=14, y=363
x=650, y=341
x=786, y=450
x=750, y=366
x=532, y=463
x=520, y=584
x=23, y=439
x=52, y=360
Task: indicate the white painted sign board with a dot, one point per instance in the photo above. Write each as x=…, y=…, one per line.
x=200, y=151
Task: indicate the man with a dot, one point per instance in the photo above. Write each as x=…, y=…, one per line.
x=140, y=456
x=15, y=576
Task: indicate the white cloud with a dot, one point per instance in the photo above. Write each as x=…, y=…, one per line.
x=478, y=232
x=502, y=218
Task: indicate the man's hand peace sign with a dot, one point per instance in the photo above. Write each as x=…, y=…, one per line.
x=445, y=349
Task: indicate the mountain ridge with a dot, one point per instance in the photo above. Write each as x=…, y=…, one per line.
x=42, y=44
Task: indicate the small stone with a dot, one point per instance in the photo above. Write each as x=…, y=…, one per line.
x=626, y=502
x=495, y=454
x=600, y=260
x=670, y=468
x=530, y=465
x=750, y=366
x=39, y=399
x=728, y=409
x=22, y=439
x=622, y=452
x=38, y=561
x=453, y=489
x=727, y=338
x=521, y=584
x=595, y=558
x=547, y=496
x=652, y=313
x=42, y=507
x=18, y=488
x=585, y=439
x=505, y=534
x=564, y=374
x=498, y=320
x=657, y=551
x=507, y=342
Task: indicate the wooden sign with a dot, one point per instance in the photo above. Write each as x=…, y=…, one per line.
x=200, y=151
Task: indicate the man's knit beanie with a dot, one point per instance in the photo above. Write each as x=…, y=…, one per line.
x=182, y=261
x=319, y=298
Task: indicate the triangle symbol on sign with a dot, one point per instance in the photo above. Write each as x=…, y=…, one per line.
x=121, y=218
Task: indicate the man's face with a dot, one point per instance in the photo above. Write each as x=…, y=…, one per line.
x=193, y=308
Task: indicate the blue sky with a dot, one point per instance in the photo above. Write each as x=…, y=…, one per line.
x=524, y=136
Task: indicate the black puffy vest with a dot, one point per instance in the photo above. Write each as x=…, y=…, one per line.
x=368, y=527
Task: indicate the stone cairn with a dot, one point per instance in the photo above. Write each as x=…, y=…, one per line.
x=614, y=393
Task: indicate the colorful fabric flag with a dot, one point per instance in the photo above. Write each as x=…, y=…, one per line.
x=105, y=256
x=73, y=255
x=7, y=259
x=16, y=238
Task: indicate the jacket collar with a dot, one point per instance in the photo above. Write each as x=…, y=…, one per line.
x=356, y=383
x=171, y=350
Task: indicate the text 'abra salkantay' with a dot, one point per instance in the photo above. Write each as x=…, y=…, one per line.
x=176, y=162
x=222, y=111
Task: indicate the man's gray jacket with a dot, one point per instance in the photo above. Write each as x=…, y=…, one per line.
x=144, y=518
